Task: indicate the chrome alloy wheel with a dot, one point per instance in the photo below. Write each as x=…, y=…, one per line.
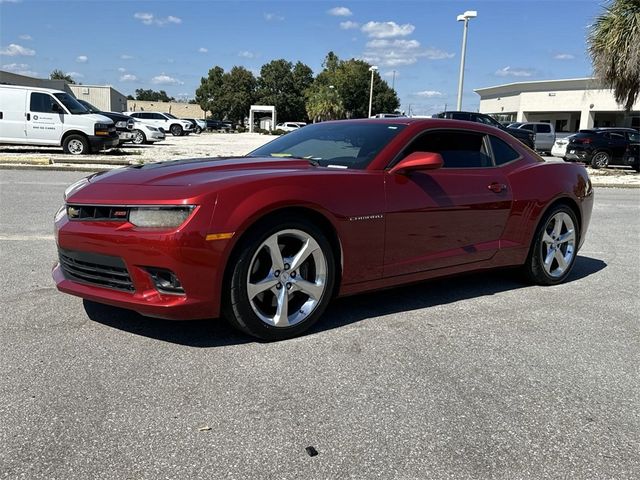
x=558, y=244
x=600, y=160
x=76, y=147
x=287, y=278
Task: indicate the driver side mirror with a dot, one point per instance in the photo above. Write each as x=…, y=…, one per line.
x=418, y=161
x=55, y=108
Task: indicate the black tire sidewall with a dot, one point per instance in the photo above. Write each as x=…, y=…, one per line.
x=85, y=145
x=535, y=261
x=238, y=309
x=176, y=130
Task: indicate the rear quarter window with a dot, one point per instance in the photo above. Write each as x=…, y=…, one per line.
x=502, y=152
x=544, y=128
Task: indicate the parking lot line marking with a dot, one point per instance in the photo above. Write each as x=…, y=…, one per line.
x=25, y=238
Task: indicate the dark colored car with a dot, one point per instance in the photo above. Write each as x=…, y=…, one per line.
x=222, y=125
x=332, y=209
x=600, y=147
x=124, y=123
x=525, y=136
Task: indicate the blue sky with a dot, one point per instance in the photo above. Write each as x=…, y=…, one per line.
x=169, y=45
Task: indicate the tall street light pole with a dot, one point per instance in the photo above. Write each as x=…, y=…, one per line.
x=465, y=17
x=372, y=69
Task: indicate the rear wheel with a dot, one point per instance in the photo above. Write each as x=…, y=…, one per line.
x=554, y=247
x=282, y=279
x=76, y=145
x=176, y=130
x=600, y=159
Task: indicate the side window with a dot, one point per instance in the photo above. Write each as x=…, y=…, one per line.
x=502, y=153
x=144, y=116
x=527, y=126
x=459, y=149
x=157, y=116
x=135, y=115
x=42, y=102
x=544, y=128
x=634, y=137
x=460, y=116
x=617, y=136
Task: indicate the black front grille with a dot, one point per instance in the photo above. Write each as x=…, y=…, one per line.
x=95, y=269
x=97, y=212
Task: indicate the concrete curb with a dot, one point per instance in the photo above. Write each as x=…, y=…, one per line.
x=56, y=167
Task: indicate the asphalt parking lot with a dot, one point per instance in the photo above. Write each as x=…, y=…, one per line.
x=481, y=376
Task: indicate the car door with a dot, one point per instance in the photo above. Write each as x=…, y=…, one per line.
x=13, y=116
x=544, y=136
x=45, y=119
x=450, y=216
x=160, y=121
x=618, y=144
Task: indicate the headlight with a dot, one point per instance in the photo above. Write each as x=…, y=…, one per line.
x=159, y=217
x=153, y=129
x=74, y=187
x=122, y=124
x=62, y=211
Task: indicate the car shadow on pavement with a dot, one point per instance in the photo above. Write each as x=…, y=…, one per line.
x=216, y=332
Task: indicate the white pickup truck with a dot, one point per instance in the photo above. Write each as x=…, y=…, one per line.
x=545, y=134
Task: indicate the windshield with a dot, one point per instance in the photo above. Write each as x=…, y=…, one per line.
x=171, y=116
x=75, y=107
x=337, y=145
x=88, y=106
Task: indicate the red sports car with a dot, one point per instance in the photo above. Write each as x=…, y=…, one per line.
x=332, y=209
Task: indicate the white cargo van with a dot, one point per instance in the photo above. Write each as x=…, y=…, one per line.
x=41, y=116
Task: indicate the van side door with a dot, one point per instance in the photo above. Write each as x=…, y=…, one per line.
x=45, y=118
x=13, y=116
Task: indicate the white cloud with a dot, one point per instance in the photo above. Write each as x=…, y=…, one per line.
x=20, y=69
x=349, y=25
x=14, y=50
x=246, y=54
x=25, y=37
x=564, y=56
x=429, y=93
x=126, y=57
x=128, y=78
x=517, y=72
x=340, y=12
x=122, y=69
x=163, y=79
x=82, y=59
x=398, y=52
x=387, y=29
x=273, y=17
x=150, y=19
x=203, y=50
x=75, y=75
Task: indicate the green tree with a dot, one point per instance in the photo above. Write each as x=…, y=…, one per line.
x=153, y=96
x=209, y=93
x=614, y=45
x=283, y=85
x=237, y=94
x=60, y=75
x=324, y=103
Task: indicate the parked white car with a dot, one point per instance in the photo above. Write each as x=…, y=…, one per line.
x=559, y=148
x=545, y=133
x=143, y=133
x=166, y=121
x=290, y=126
x=42, y=116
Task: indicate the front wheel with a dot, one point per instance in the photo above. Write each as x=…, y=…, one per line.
x=282, y=279
x=554, y=248
x=139, y=137
x=600, y=160
x=176, y=130
x=198, y=130
x=76, y=145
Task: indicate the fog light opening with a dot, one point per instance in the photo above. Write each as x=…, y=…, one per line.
x=165, y=281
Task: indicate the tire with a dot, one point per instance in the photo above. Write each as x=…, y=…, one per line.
x=262, y=284
x=139, y=137
x=554, y=247
x=76, y=145
x=176, y=130
x=600, y=159
x=198, y=130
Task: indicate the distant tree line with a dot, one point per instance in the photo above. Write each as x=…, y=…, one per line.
x=340, y=90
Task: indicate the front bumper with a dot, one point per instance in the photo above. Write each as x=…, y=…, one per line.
x=103, y=143
x=185, y=252
x=156, y=136
x=125, y=136
x=577, y=155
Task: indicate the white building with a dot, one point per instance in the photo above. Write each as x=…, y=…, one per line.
x=570, y=105
x=103, y=97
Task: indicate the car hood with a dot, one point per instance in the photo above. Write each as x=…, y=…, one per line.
x=115, y=116
x=199, y=171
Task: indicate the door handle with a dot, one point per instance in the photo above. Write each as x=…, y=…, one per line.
x=28, y=116
x=496, y=187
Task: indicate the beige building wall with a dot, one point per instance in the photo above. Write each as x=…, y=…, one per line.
x=105, y=98
x=179, y=109
x=574, y=103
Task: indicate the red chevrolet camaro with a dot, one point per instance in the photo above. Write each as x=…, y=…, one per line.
x=332, y=209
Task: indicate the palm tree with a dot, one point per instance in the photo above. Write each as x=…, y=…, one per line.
x=614, y=46
x=324, y=103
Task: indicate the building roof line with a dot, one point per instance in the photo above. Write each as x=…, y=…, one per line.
x=536, y=82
